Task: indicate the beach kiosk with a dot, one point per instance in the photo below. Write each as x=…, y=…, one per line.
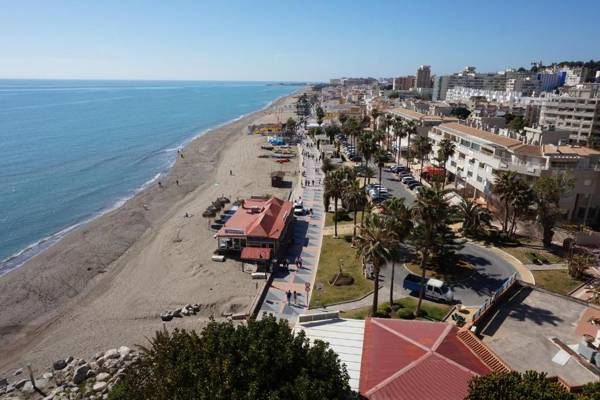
x=258, y=230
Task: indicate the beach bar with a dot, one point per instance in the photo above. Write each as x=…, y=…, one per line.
x=258, y=229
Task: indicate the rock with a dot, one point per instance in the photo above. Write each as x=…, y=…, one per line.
x=177, y=313
x=69, y=359
x=40, y=383
x=124, y=351
x=99, y=386
x=18, y=372
x=3, y=382
x=98, y=355
x=166, y=316
x=94, y=365
x=91, y=373
x=102, y=376
x=184, y=311
x=112, y=353
x=47, y=375
x=20, y=384
x=80, y=374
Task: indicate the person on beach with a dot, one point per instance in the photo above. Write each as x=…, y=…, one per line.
x=230, y=172
x=289, y=296
x=295, y=297
x=177, y=182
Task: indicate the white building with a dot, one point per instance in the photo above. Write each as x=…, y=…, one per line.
x=479, y=154
x=577, y=111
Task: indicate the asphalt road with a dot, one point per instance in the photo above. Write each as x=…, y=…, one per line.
x=490, y=270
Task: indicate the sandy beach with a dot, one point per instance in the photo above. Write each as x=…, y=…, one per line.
x=105, y=284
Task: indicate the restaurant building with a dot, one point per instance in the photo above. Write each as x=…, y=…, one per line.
x=258, y=230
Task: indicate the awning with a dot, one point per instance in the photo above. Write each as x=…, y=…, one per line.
x=256, y=253
x=433, y=170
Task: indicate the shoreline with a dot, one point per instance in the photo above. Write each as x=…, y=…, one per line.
x=98, y=274
x=38, y=247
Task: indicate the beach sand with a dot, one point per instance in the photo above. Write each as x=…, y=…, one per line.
x=105, y=284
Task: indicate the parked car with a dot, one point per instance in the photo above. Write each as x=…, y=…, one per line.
x=434, y=288
x=408, y=179
x=404, y=173
x=414, y=185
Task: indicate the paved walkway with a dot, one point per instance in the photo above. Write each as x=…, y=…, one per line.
x=546, y=267
x=307, y=244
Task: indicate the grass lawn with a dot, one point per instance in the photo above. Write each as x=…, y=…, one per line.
x=557, y=281
x=462, y=271
x=402, y=308
x=347, y=219
x=528, y=249
x=329, y=264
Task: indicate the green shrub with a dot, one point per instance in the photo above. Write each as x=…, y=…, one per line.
x=404, y=313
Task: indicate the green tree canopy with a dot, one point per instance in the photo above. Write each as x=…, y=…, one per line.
x=262, y=359
x=529, y=385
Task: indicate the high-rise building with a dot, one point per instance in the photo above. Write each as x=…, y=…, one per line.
x=423, y=77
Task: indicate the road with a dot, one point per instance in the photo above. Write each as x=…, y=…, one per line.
x=490, y=269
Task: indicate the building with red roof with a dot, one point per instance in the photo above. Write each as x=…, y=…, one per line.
x=257, y=229
x=415, y=360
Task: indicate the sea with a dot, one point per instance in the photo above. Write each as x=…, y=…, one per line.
x=73, y=150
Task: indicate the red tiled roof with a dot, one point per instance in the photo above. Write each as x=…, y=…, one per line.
x=260, y=218
x=410, y=360
x=255, y=253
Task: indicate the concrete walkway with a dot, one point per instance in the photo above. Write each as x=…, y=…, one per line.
x=307, y=234
x=546, y=267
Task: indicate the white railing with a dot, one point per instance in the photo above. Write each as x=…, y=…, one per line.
x=489, y=302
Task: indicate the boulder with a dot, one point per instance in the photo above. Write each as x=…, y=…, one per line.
x=112, y=353
x=124, y=351
x=80, y=374
x=18, y=372
x=47, y=375
x=3, y=382
x=69, y=359
x=166, y=316
x=99, y=386
x=102, y=376
x=20, y=384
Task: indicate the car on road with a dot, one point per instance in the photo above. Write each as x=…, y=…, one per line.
x=414, y=185
x=434, y=288
x=404, y=173
x=408, y=179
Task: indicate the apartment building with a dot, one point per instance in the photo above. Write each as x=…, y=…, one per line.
x=479, y=154
x=423, y=77
x=404, y=82
x=576, y=110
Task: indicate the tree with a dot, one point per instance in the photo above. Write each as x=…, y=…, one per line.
x=262, y=359
x=336, y=182
x=342, y=118
x=516, y=124
x=505, y=187
x=523, y=199
x=446, y=150
x=355, y=198
x=372, y=247
x=429, y=211
x=461, y=112
x=374, y=115
x=422, y=147
x=367, y=146
x=331, y=131
x=399, y=134
x=548, y=191
x=410, y=127
x=320, y=115
x=475, y=219
x=380, y=158
x=530, y=385
x=399, y=225
x=290, y=126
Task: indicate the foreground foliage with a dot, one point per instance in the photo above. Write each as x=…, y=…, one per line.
x=259, y=360
x=529, y=385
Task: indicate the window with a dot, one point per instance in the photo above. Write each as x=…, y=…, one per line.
x=470, y=174
x=481, y=165
x=461, y=156
x=465, y=143
x=453, y=163
x=479, y=179
x=475, y=146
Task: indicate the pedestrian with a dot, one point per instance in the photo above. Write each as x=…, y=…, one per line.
x=177, y=182
x=295, y=297
x=312, y=182
x=289, y=296
x=230, y=172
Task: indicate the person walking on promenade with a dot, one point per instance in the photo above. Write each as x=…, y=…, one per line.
x=295, y=297
x=289, y=296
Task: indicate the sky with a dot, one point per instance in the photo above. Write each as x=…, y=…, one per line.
x=307, y=40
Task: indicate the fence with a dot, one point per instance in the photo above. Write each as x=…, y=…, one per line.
x=489, y=302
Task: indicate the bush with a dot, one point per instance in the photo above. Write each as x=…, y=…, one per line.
x=405, y=313
x=258, y=360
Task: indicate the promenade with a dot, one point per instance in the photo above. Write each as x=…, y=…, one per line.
x=307, y=245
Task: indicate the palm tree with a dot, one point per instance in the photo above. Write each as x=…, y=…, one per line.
x=366, y=145
x=380, y=158
x=410, y=127
x=430, y=213
x=422, y=148
x=334, y=187
x=505, y=186
x=388, y=124
x=372, y=247
x=548, y=191
x=523, y=199
x=399, y=225
x=374, y=115
x=355, y=199
x=399, y=134
x=475, y=218
x=445, y=151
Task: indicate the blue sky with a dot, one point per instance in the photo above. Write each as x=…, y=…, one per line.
x=286, y=40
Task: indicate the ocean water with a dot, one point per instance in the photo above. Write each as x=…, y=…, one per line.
x=71, y=150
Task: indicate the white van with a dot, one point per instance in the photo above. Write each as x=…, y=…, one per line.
x=437, y=289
